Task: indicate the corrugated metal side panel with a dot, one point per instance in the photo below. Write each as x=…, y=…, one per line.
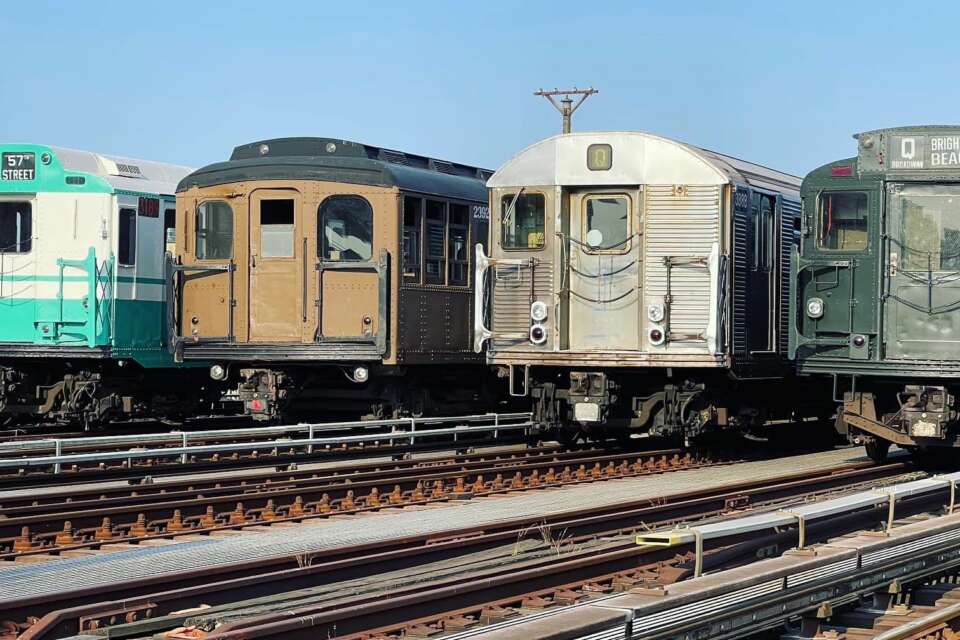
x=742, y=240
x=790, y=211
x=511, y=296
x=681, y=222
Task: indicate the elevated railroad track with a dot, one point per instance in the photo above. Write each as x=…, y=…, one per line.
x=153, y=599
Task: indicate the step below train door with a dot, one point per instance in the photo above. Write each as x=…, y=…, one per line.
x=603, y=270
x=922, y=301
x=278, y=266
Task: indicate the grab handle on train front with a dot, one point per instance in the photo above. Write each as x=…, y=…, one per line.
x=480, y=283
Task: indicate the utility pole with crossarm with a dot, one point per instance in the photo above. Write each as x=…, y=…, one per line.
x=565, y=106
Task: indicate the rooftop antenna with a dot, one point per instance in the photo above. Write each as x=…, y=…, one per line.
x=565, y=106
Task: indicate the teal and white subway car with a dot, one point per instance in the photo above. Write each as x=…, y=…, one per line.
x=84, y=276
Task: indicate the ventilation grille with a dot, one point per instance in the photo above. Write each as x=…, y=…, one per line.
x=396, y=157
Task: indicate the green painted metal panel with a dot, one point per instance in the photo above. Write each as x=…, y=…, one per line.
x=50, y=176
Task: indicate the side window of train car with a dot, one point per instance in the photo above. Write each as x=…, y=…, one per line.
x=843, y=221
x=434, y=233
x=214, y=231
x=457, y=239
x=127, y=238
x=607, y=223
x=170, y=227
x=16, y=227
x=347, y=224
x=522, y=221
x=412, y=238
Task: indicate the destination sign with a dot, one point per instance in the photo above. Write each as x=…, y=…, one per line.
x=18, y=166
x=924, y=152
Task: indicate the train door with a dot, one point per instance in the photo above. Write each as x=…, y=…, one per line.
x=922, y=314
x=603, y=269
x=352, y=277
x=277, y=266
x=760, y=326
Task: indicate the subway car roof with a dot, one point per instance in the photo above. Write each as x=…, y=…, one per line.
x=637, y=158
x=333, y=160
x=127, y=174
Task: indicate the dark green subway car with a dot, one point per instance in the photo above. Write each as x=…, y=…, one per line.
x=877, y=302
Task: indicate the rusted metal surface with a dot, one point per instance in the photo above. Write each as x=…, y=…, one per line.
x=270, y=574
x=70, y=526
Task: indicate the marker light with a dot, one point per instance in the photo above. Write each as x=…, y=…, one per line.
x=360, y=374
x=538, y=334
x=656, y=336
x=656, y=311
x=815, y=308
x=218, y=372
x=538, y=311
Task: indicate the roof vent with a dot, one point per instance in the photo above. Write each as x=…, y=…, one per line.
x=122, y=169
x=442, y=167
x=396, y=157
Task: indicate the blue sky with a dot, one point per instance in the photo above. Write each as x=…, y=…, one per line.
x=784, y=84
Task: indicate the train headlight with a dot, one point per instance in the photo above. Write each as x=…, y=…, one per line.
x=538, y=311
x=218, y=372
x=815, y=308
x=361, y=374
x=656, y=311
x=538, y=334
x=656, y=336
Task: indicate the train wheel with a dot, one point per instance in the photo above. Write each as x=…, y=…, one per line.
x=877, y=450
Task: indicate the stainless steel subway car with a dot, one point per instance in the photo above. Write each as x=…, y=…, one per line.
x=639, y=284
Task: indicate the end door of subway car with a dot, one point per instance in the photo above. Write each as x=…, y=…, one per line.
x=603, y=269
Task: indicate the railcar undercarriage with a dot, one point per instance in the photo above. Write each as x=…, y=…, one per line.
x=921, y=418
x=620, y=403
x=353, y=392
x=90, y=392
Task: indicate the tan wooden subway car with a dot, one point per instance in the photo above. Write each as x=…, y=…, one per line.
x=321, y=273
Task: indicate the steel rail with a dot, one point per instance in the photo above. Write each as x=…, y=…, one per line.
x=916, y=628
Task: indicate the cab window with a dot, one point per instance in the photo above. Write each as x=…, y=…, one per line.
x=843, y=221
x=347, y=223
x=16, y=227
x=522, y=221
x=214, y=231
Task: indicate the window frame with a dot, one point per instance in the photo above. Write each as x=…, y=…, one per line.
x=467, y=237
x=29, y=236
x=322, y=228
x=627, y=246
x=818, y=213
x=261, y=226
x=418, y=277
x=132, y=258
x=427, y=257
x=501, y=211
x=196, y=229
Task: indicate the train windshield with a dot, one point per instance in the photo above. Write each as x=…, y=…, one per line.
x=930, y=228
x=522, y=220
x=843, y=221
x=16, y=227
